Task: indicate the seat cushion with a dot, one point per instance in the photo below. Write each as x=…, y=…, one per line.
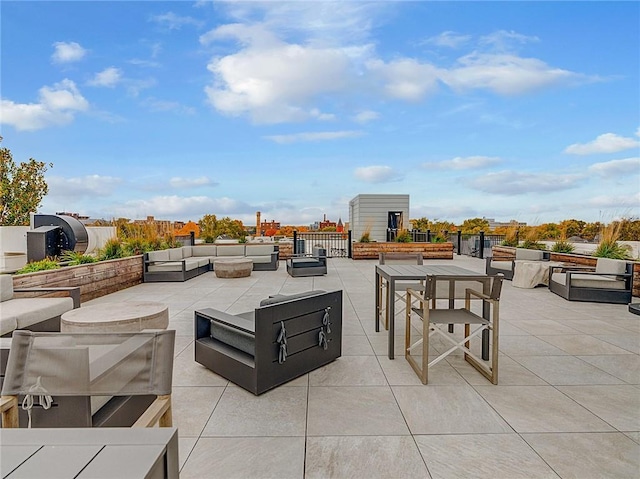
x=6, y=287
x=7, y=324
x=29, y=311
x=260, y=259
x=589, y=281
x=501, y=265
x=305, y=262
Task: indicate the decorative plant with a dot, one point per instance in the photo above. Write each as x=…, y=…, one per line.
x=404, y=237
x=609, y=246
x=366, y=234
x=41, y=265
x=562, y=246
x=73, y=258
x=531, y=240
x=112, y=249
x=511, y=237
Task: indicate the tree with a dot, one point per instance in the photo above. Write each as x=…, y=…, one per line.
x=211, y=227
x=21, y=188
x=420, y=224
x=474, y=225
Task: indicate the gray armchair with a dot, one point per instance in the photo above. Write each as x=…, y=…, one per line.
x=285, y=337
x=314, y=265
x=610, y=282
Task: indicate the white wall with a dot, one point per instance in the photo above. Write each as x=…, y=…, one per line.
x=371, y=210
x=13, y=239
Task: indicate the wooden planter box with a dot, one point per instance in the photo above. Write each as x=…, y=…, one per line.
x=94, y=279
x=428, y=250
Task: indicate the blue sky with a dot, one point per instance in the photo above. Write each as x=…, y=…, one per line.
x=508, y=110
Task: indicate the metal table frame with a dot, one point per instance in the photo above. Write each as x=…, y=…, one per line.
x=405, y=272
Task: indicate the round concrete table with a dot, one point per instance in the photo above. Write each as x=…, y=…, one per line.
x=233, y=268
x=116, y=317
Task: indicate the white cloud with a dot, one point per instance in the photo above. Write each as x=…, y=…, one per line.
x=175, y=22
x=466, y=163
x=177, y=182
x=605, y=143
x=176, y=206
x=314, y=136
x=449, y=39
x=377, y=174
x=67, y=52
x=57, y=106
x=157, y=105
x=617, y=201
x=80, y=187
x=613, y=168
x=406, y=79
x=272, y=81
x=519, y=183
x=504, y=74
x=366, y=116
x=109, y=77
x=503, y=40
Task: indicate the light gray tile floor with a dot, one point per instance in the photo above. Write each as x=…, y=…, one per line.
x=567, y=404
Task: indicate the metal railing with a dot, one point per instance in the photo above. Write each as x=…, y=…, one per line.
x=337, y=245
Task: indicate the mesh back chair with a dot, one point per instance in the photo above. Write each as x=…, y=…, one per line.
x=45, y=369
x=434, y=321
x=401, y=286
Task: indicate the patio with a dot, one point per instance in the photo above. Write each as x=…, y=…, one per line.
x=567, y=403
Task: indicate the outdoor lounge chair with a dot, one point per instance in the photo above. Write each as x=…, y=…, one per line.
x=433, y=322
x=610, y=282
x=88, y=379
x=507, y=266
x=285, y=337
x=314, y=265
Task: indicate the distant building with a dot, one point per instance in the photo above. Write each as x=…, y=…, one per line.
x=269, y=225
x=162, y=227
x=499, y=224
x=340, y=226
x=325, y=223
x=378, y=215
x=73, y=215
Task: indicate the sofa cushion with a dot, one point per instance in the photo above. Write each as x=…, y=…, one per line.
x=279, y=298
x=234, y=337
x=175, y=254
x=589, y=281
x=168, y=266
x=529, y=254
x=230, y=250
x=192, y=263
x=259, y=250
x=610, y=266
x=306, y=262
x=28, y=311
x=161, y=255
x=260, y=259
x=502, y=265
x=7, y=324
x=6, y=287
x=204, y=250
x=187, y=251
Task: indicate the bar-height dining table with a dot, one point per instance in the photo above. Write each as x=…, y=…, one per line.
x=454, y=281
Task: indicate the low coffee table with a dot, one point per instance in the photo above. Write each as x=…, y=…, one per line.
x=116, y=317
x=233, y=268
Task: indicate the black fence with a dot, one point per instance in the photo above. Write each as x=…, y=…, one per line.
x=337, y=245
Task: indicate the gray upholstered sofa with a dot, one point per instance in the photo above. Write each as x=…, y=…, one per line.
x=610, y=282
x=33, y=313
x=285, y=337
x=507, y=266
x=181, y=264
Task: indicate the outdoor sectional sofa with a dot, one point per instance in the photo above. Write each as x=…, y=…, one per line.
x=285, y=337
x=33, y=313
x=181, y=264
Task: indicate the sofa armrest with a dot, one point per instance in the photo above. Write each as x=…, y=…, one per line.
x=209, y=314
x=73, y=292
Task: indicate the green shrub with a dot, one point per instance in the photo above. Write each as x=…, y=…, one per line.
x=529, y=244
x=365, y=238
x=112, y=249
x=613, y=250
x=135, y=246
x=41, y=265
x=73, y=258
x=562, y=246
x=510, y=242
x=404, y=237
